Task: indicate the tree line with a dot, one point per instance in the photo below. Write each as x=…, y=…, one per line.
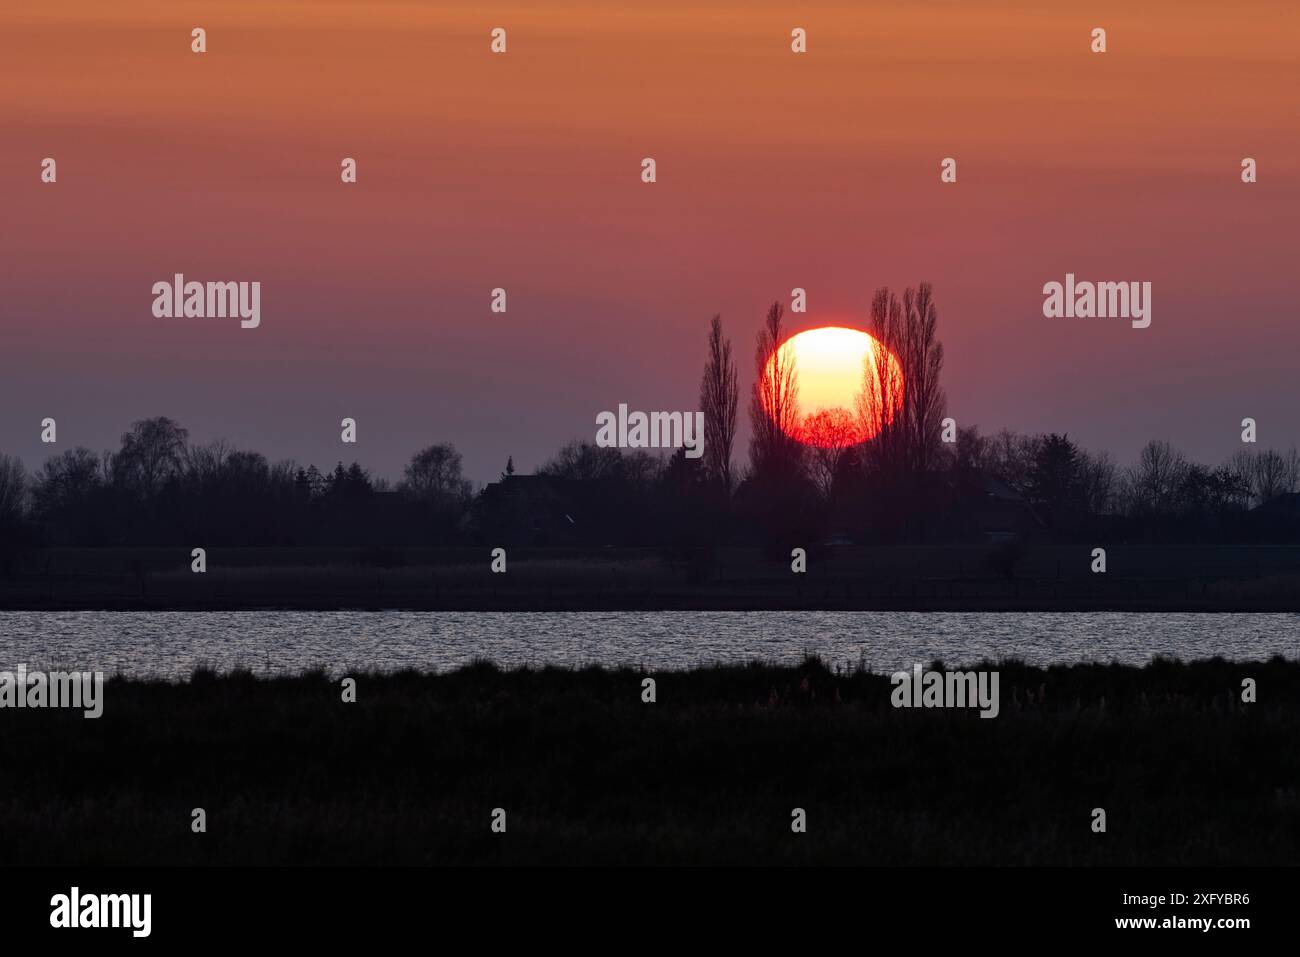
x=159, y=488
x=904, y=484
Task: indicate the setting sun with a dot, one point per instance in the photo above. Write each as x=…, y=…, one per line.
x=831, y=365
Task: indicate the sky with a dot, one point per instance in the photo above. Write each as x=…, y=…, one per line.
x=775, y=170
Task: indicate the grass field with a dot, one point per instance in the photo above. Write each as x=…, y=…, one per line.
x=288, y=773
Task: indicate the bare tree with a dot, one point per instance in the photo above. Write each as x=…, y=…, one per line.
x=922, y=359
x=902, y=405
x=204, y=463
x=1153, y=483
x=774, y=402
x=67, y=480
x=1240, y=468
x=830, y=434
x=1098, y=481
x=641, y=469
x=1291, y=470
x=433, y=476
x=1235, y=476
x=13, y=490
x=581, y=459
x=883, y=387
x=1012, y=456
x=151, y=453
x=719, y=396
x=971, y=452
x=1270, y=475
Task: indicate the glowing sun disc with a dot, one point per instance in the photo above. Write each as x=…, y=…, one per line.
x=839, y=372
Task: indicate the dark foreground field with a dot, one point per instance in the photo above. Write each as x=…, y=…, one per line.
x=588, y=773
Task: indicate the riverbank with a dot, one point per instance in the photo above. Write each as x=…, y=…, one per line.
x=847, y=578
x=586, y=771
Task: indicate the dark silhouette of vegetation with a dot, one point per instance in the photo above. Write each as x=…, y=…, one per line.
x=709, y=774
x=774, y=454
x=904, y=485
x=719, y=396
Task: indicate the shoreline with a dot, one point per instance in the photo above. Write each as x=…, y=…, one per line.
x=1142, y=578
x=507, y=603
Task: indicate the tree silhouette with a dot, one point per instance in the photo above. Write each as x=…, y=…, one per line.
x=774, y=404
x=904, y=407
x=1055, y=481
x=830, y=434
x=433, y=477
x=883, y=389
x=719, y=395
x=13, y=492
x=151, y=453
x=584, y=460
x=1153, y=483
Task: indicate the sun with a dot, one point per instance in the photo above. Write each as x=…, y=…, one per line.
x=849, y=386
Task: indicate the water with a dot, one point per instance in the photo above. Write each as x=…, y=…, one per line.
x=171, y=644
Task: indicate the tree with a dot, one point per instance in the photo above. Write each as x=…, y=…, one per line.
x=66, y=480
x=924, y=401
x=883, y=388
x=202, y=464
x=830, y=434
x=1011, y=458
x=584, y=460
x=67, y=498
x=308, y=483
x=348, y=484
x=774, y=403
x=1154, y=482
x=719, y=396
x=903, y=405
x=510, y=467
x=971, y=452
x=151, y=454
x=1271, y=473
x=1097, y=482
x=1204, y=493
x=1055, y=482
x=13, y=492
x=433, y=477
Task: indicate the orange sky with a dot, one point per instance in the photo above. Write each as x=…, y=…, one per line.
x=775, y=171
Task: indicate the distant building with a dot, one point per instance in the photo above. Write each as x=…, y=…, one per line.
x=1284, y=506
x=1278, y=519
x=982, y=507
x=539, y=510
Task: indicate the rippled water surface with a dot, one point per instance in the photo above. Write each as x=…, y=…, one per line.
x=169, y=644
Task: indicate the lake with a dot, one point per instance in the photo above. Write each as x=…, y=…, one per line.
x=171, y=644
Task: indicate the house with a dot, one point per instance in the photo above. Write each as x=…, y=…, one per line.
x=1278, y=519
x=983, y=507
x=1285, y=507
x=538, y=510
